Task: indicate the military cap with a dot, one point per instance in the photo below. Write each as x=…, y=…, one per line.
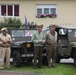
x=4, y=29
x=39, y=26
x=50, y=26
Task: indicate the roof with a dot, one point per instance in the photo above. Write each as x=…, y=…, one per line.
x=67, y=26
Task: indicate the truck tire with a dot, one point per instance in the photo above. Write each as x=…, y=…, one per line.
x=75, y=59
x=44, y=61
x=16, y=59
x=57, y=58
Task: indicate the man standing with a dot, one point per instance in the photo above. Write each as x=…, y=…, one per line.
x=5, y=43
x=38, y=39
x=51, y=39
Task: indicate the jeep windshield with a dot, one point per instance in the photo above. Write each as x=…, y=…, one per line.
x=22, y=34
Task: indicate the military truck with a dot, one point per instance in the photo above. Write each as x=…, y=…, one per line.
x=22, y=48
x=66, y=47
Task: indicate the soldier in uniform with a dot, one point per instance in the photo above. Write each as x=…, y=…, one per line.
x=51, y=39
x=5, y=43
x=38, y=39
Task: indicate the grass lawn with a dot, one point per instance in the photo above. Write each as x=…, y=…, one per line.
x=61, y=69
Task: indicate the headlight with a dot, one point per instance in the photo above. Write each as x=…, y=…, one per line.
x=28, y=45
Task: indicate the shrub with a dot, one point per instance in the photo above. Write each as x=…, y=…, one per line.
x=11, y=21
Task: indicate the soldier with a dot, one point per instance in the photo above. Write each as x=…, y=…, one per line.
x=38, y=39
x=51, y=39
x=5, y=43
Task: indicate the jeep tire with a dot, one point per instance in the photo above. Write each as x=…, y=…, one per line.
x=75, y=59
x=16, y=59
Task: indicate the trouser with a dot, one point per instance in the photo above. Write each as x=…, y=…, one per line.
x=51, y=54
x=5, y=53
x=38, y=53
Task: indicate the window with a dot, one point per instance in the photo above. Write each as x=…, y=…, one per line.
x=53, y=10
x=39, y=11
x=46, y=10
x=3, y=10
x=62, y=31
x=9, y=10
x=16, y=10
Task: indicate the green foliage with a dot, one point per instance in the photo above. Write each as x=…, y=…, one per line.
x=11, y=21
x=22, y=26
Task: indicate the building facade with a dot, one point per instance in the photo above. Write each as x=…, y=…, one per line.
x=44, y=12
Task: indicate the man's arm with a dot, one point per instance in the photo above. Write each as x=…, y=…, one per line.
x=9, y=40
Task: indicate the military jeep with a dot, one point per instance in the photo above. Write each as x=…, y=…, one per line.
x=22, y=47
x=66, y=47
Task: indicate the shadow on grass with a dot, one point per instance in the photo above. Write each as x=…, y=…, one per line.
x=30, y=64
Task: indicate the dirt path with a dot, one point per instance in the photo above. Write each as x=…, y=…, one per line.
x=16, y=73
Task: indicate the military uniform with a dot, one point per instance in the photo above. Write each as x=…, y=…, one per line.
x=5, y=49
x=38, y=48
x=51, y=40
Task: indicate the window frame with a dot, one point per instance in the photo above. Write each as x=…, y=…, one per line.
x=13, y=11
x=46, y=6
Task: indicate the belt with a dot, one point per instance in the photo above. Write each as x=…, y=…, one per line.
x=4, y=46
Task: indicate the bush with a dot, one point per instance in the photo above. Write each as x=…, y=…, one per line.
x=10, y=23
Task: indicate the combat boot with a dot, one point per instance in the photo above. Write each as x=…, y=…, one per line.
x=34, y=67
x=49, y=64
x=53, y=63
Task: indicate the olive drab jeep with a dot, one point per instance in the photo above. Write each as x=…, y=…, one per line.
x=66, y=47
x=22, y=47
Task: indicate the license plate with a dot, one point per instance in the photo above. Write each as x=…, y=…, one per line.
x=27, y=55
x=44, y=54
